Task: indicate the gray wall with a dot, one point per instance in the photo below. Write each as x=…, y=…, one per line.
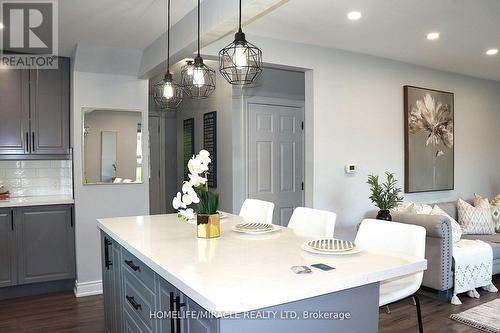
x=354, y=113
x=96, y=90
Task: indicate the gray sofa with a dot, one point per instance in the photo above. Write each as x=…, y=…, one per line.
x=438, y=250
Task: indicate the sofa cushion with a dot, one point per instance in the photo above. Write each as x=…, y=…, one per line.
x=493, y=240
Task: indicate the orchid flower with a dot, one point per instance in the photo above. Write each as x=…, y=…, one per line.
x=177, y=202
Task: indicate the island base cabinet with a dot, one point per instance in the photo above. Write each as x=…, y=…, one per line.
x=136, y=305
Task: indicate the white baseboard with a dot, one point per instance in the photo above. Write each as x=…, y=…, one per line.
x=88, y=288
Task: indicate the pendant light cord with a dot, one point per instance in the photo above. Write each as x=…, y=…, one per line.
x=198, y=28
x=168, y=36
x=239, y=19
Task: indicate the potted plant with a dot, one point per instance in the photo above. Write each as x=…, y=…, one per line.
x=196, y=197
x=385, y=196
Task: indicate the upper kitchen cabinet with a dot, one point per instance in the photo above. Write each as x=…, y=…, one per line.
x=14, y=112
x=34, y=113
x=49, y=109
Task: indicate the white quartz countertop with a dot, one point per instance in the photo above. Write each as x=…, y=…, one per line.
x=37, y=201
x=238, y=272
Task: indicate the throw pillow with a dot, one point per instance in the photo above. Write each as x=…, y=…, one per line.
x=495, y=210
x=456, y=230
x=404, y=208
x=422, y=209
x=475, y=220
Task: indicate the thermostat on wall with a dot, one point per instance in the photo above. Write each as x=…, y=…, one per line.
x=351, y=168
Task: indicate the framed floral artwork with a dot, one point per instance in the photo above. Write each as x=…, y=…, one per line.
x=429, y=140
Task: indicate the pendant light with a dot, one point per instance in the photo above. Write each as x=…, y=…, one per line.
x=240, y=63
x=167, y=93
x=198, y=79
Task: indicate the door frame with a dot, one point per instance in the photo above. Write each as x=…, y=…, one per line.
x=243, y=174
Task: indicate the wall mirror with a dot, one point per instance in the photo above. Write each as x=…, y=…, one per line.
x=112, y=146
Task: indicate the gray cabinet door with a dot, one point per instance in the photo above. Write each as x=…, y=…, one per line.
x=165, y=304
x=7, y=250
x=197, y=325
x=14, y=111
x=112, y=284
x=45, y=244
x=50, y=109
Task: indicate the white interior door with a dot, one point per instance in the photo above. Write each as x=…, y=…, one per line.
x=276, y=157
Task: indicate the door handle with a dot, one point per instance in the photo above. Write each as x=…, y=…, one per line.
x=134, y=304
x=107, y=262
x=28, y=143
x=179, y=305
x=33, y=141
x=172, y=322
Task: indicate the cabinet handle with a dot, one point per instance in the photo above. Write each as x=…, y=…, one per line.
x=12, y=219
x=71, y=217
x=178, y=307
x=107, y=262
x=33, y=141
x=134, y=304
x=28, y=143
x=131, y=264
x=172, y=322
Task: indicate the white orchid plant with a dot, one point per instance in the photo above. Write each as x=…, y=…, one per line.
x=195, y=190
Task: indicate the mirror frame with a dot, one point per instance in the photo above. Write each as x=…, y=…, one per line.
x=85, y=110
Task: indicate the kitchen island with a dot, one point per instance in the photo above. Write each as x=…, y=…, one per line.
x=158, y=277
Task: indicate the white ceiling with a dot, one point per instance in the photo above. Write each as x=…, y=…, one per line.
x=116, y=23
x=396, y=29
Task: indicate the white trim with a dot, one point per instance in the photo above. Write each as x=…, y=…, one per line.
x=88, y=288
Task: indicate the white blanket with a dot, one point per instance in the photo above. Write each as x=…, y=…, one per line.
x=473, y=268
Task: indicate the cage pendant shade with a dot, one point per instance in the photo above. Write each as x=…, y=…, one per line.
x=240, y=62
x=168, y=94
x=198, y=79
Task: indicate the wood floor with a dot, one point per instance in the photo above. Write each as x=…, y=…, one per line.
x=62, y=312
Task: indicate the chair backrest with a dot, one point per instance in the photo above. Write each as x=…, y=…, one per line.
x=257, y=211
x=394, y=237
x=313, y=222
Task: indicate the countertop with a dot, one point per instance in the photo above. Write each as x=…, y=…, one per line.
x=238, y=272
x=37, y=201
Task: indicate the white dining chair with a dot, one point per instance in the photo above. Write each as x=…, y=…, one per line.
x=313, y=222
x=396, y=238
x=257, y=211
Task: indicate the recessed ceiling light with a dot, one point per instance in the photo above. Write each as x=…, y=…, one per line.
x=433, y=36
x=492, y=52
x=354, y=15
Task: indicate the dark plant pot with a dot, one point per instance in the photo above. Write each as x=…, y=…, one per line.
x=384, y=214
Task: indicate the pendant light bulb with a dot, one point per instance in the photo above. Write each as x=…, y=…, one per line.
x=198, y=77
x=168, y=90
x=240, y=56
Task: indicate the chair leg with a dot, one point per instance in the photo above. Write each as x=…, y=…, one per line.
x=419, y=314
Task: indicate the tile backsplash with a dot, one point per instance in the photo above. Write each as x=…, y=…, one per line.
x=37, y=178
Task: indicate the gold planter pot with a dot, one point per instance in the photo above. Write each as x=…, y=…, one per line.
x=208, y=225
